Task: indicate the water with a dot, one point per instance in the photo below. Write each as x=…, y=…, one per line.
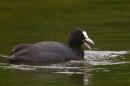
x=107, y=23
x=98, y=68
x=91, y=58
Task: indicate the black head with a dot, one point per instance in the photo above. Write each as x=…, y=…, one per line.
x=78, y=37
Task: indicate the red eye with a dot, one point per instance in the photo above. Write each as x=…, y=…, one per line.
x=81, y=34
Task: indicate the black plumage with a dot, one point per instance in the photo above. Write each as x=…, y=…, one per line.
x=49, y=51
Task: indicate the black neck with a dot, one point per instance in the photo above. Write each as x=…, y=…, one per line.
x=77, y=48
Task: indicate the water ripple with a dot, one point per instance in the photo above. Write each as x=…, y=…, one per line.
x=105, y=57
x=92, y=58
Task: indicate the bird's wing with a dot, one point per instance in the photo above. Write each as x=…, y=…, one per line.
x=20, y=47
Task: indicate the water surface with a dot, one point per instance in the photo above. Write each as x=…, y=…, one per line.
x=98, y=68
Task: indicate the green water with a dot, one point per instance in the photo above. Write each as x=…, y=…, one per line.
x=107, y=23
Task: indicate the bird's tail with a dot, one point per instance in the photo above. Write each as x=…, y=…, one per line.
x=11, y=58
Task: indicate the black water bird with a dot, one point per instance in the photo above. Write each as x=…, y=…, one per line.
x=49, y=51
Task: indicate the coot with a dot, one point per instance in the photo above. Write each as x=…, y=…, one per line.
x=49, y=51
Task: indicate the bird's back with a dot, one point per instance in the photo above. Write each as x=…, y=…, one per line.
x=42, y=52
